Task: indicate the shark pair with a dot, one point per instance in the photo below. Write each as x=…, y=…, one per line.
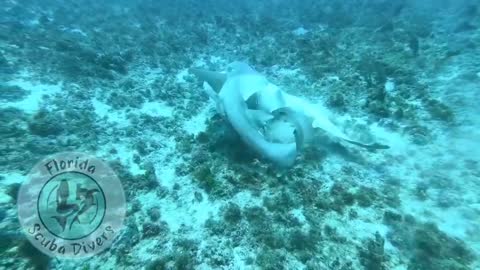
x=272, y=122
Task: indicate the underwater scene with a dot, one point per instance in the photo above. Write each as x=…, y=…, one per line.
x=240, y=134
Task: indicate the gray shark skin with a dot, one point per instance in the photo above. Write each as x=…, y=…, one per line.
x=240, y=84
x=249, y=101
x=236, y=112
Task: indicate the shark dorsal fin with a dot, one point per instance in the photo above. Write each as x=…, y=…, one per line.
x=240, y=68
x=214, y=79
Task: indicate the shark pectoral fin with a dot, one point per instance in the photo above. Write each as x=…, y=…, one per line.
x=220, y=108
x=214, y=79
x=210, y=92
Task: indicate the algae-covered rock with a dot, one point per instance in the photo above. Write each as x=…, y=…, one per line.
x=390, y=217
x=10, y=93
x=154, y=214
x=300, y=240
x=337, y=100
x=366, y=196
x=372, y=255
x=374, y=71
x=205, y=178
x=232, y=213
x=379, y=109
x=427, y=246
x=271, y=260
x=439, y=110
x=150, y=229
x=12, y=191
x=434, y=249
x=12, y=124
x=37, y=259
x=46, y=123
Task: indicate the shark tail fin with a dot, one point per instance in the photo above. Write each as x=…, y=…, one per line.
x=373, y=146
x=214, y=81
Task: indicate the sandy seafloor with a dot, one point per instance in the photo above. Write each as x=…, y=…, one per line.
x=112, y=80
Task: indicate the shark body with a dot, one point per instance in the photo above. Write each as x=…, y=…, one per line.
x=239, y=84
x=249, y=101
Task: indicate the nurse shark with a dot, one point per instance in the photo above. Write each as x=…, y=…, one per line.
x=265, y=116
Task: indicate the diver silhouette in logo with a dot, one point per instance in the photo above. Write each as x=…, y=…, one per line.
x=85, y=198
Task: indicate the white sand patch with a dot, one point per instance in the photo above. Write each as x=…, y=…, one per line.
x=32, y=102
x=450, y=220
x=149, y=200
x=199, y=62
x=107, y=262
x=165, y=163
x=396, y=142
x=298, y=214
x=300, y=31
x=180, y=77
x=240, y=254
x=462, y=95
x=358, y=229
x=245, y=199
x=216, y=59
x=11, y=178
x=7, y=179
x=286, y=72
x=166, y=176
x=151, y=75
x=181, y=209
x=389, y=85
x=124, y=155
x=147, y=250
x=120, y=117
x=155, y=109
x=446, y=156
x=103, y=110
x=197, y=123
x=185, y=211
